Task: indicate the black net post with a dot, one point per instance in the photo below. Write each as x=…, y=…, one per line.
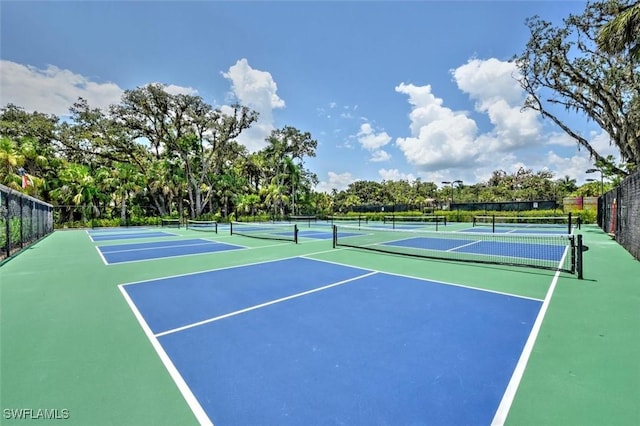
x=335, y=236
x=579, y=250
x=22, y=221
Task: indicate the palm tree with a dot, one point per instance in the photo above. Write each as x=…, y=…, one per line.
x=127, y=181
x=77, y=187
x=622, y=32
x=292, y=172
x=10, y=161
x=567, y=184
x=274, y=198
x=247, y=203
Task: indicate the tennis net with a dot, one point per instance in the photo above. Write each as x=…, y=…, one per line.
x=303, y=219
x=202, y=225
x=558, y=252
x=517, y=222
x=266, y=231
x=408, y=221
x=170, y=223
x=358, y=220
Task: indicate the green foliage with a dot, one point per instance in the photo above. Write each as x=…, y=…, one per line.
x=155, y=154
x=563, y=67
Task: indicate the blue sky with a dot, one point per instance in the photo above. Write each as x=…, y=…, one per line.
x=389, y=89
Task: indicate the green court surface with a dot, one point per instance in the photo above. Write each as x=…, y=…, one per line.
x=71, y=345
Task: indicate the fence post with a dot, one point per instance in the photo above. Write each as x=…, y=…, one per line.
x=7, y=226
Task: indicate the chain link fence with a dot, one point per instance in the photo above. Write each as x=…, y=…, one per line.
x=619, y=213
x=23, y=221
x=104, y=216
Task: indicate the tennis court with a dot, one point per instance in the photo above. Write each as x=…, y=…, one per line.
x=340, y=332
x=309, y=325
x=133, y=252
x=127, y=234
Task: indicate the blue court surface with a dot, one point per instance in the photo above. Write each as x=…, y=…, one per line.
x=495, y=248
x=101, y=231
x=485, y=230
x=132, y=252
x=322, y=235
x=300, y=342
x=128, y=235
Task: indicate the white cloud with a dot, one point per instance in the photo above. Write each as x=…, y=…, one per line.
x=52, y=90
x=574, y=166
x=493, y=86
x=257, y=90
x=338, y=181
x=449, y=142
x=560, y=139
x=440, y=137
x=373, y=142
x=395, y=174
x=380, y=156
x=489, y=80
x=172, y=89
x=370, y=140
x=602, y=143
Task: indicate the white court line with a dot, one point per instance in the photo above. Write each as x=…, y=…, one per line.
x=428, y=280
x=101, y=255
x=465, y=245
x=129, y=238
x=310, y=234
x=189, y=397
x=238, y=266
x=209, y=242
x=262, y=305
x=176, y=256
x=509, y=394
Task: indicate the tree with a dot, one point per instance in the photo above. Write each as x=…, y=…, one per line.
x=10, y=161
x=284, y=161
x=77, y=187
x=566, y=185
x=33, y=137
x=622, y=33
x=17, y=157
x=127, y=181
x=247, y=203
x=563, y=67
x=185, y=127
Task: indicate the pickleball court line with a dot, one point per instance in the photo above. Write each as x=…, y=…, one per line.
x=184, y=389
x=463, y=245
x=124, y=262
x=457, y=248
x=208, y=242
x=261, y=262
x=262, y=305
x=130, y=236
x=104, y=260
x=509, y=394
x=429, y=280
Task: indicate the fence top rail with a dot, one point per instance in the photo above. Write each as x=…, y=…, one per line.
x=9, y=191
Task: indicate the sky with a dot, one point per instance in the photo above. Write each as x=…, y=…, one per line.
x=390, y=89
